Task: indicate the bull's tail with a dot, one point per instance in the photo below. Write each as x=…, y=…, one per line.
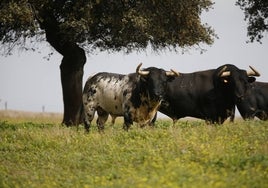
x=81, y=114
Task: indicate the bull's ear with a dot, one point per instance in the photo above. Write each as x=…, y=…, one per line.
x=170, y=78
x=251, y=79
x=224, y=80
x=143, y=77
x=171, y=75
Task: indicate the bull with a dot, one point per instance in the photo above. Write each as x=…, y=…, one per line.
x=136, y=96
x=210, y=95
x=255, y=102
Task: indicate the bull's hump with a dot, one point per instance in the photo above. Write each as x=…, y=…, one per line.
x=113, y=82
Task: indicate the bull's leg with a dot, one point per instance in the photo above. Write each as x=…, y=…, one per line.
x=231, y=113
x=88, y=116
x=264, y=116
x=102, y=118
x=261, y=115
x=217, y=121
x=127, y=120
x=113, y=119
x=152, y=122
x=220, y=120
x=174, y=121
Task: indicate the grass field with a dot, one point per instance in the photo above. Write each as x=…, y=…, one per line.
x=39, y=152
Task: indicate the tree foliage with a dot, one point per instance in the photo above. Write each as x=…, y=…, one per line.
x=107, y=24
x=256, y=13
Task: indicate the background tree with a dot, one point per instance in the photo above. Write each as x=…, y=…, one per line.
x=256, y=13
x=75, y=27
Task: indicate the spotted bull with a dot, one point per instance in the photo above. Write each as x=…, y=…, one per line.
x=136, y=96
x=210, y=95
x=255, y=102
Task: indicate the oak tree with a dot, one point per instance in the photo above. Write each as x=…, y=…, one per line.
x=256, y=13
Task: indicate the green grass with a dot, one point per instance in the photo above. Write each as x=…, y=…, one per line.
x=189, y=154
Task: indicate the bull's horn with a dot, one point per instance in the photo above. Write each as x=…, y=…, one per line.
x=138, y=68
x=253, y=72
x=223, y=72
x=141, y=72
x=172, y=73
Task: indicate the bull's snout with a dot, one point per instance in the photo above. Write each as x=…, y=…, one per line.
x=239, y=97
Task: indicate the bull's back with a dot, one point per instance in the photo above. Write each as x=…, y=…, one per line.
x=106, y=90
x=189, y=88
x=189, y=94
x=262, y=87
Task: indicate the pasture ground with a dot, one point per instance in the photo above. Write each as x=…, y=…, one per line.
x=36, y=151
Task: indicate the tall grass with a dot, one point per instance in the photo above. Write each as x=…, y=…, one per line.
x=189, y=154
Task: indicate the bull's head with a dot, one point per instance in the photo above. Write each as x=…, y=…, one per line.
x=237, y=80
x=155, y=80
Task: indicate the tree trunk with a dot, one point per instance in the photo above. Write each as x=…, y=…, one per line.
x=72, y=66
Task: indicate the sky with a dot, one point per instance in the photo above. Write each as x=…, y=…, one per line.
x=30, y=82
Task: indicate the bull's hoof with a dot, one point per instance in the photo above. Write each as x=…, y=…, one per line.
x=125, y=127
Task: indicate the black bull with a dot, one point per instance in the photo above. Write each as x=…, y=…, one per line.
x=255, y=102
x=210, y=95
